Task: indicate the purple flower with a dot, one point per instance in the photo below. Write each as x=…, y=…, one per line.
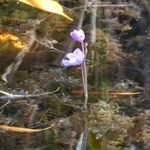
x=77, y=35
x=73, y=59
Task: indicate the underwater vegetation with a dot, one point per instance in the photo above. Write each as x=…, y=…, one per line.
x=74, y=75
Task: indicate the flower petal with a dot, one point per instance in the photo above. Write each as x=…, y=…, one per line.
x=75, y=58
x=79, y=55
x=77, y=35
x=67, y=63
x=82, y=35
x=70, y=55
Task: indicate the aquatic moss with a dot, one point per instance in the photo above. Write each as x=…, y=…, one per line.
x=108, y=126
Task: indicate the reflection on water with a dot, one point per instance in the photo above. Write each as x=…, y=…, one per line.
x=117, y=34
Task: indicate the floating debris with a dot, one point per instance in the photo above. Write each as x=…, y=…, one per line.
x=22, y=130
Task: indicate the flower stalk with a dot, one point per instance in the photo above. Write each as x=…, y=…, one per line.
x=78, y=57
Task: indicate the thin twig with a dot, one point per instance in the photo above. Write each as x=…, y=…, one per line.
x=5, y=104
x=49, y=44
x=104, y=5
x=93, y=23
x=12, y=68
x=14, y=96
x=81, y=17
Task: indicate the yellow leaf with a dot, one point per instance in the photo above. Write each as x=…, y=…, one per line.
x=22, y=130
x=16, y=41
x=13, y=38
x=18, y=44
x=47, y=5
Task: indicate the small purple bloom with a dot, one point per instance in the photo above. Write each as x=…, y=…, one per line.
x=77, y=35
x=74, y=58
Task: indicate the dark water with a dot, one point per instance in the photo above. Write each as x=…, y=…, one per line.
x=32, y=45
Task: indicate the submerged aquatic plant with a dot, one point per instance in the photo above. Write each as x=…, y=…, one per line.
x=78, y=58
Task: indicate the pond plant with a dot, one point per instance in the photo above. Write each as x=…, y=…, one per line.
x=74, y=74
x=78, y=57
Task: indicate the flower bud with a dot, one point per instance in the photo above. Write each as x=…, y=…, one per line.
x=78, y=35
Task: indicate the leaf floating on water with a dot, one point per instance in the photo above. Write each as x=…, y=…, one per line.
x=22, y=130
x=16, y=41
x=124, y=93
x=95, y=93
x=47, y=5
